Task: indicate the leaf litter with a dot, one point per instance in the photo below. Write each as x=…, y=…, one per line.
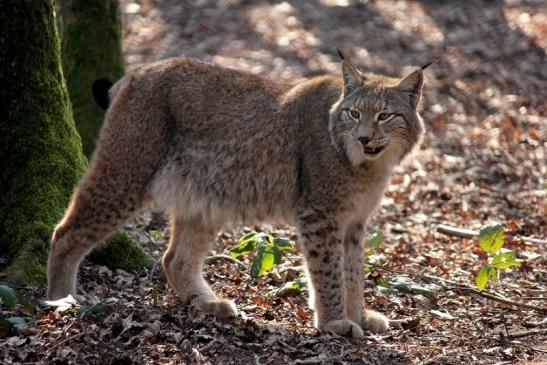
x=482, y=161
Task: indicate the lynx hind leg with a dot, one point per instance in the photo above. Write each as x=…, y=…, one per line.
x=97, y=208
x=134, y=138
x=183, y=265
x=353, y=269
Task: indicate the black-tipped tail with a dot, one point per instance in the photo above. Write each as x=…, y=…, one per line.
x=100, y=90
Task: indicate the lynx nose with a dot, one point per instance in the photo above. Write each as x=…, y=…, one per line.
x=363, y=140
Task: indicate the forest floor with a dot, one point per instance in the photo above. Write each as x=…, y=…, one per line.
x=483, y=160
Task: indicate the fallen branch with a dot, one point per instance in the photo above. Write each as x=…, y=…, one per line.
x=455, y=231
x=54, y=347
x=215, y=258
x=406, y=324
x=467, y=233
x=541, y=331
x=459, y=286
x=26, y=331
x=543, y=322
x=500, y=299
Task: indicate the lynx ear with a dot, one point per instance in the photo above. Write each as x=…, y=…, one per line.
x=412, y=85
x=352, y=77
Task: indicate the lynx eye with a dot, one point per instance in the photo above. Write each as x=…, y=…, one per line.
x=355, y=114
x=384, y=116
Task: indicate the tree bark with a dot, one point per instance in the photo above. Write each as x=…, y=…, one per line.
x=41, y=156
x=91, y=48
x=40, y=150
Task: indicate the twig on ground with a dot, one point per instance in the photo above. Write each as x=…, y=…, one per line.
x=406, y=324
x=455, y=231
x=467, y=233
x=152, y=270
x=543, y=322
x=504, y=324
x=518, y=343
x=540, y=331
x=150, y=241
x=313, y=360
x=459, y=286
x=26, y=331
x=54, y=347
x=215, y=258
x=499, y=299
x=154, y=295
x=145, y=233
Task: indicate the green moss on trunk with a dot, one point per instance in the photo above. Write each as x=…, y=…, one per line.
x=41, y=156
x=121, y=252
x=91, y=49
x=40, y=150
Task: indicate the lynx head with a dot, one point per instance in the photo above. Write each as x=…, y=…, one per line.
x=376, y=116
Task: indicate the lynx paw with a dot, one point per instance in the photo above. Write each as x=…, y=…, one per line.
x=220, y=308
x=375, y=322
x=344, y=327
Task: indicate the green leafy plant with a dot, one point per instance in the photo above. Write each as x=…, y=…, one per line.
x=291, y=288
x=371, y=246
x=491, y=240
x=11, y=299
x=156, y=234
x=374, y=242
x=268, y=251
x=405, y=285
x=8, y=296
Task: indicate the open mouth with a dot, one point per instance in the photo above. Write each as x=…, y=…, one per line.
x=372, y=150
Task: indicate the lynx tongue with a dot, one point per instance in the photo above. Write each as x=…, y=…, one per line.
x=373, y=150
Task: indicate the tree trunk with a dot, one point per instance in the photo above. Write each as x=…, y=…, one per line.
x=40, y=150
x=91, y=48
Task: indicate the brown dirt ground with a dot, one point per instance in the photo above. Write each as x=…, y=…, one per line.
x=483, y=160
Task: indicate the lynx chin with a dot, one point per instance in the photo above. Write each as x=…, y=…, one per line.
x=211, y=145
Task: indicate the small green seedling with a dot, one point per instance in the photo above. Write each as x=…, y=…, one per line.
x=491, y=239
x=156, y=234
x=268, y=251
x=291, y=288
x=374, y=242
x=394, y=287
x=7, y=296
x=10, y=298
x=371, y=246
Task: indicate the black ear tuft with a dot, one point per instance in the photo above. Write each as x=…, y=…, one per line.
x=340, y=54
x=429, y=64
x=100, y=90
x=412, y=85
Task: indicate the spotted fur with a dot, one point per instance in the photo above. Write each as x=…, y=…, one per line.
x=210, y=145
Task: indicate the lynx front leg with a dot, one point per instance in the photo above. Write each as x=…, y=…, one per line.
x=183, y=265
x=323, y=249
x=353, y=268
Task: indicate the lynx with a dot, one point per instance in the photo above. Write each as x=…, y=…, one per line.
x=211, y=145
